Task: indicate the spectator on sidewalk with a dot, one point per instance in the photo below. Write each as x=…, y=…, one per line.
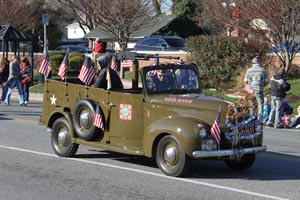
x=266, y=109
x=4, y=72
x=278, y=88
x=257, y=77
x=26, y=78
x=14, y=80
x=295, y=121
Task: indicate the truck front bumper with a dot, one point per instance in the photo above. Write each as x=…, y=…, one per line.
x=229, y=152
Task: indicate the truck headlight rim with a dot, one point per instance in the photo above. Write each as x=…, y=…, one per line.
x=202, y=131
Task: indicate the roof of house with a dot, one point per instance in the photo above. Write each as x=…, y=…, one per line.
x=9, y=33
x=156, y=24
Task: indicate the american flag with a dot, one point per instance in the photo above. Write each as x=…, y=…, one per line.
x=126, y=63
x=98, y=119
x=215, y=130
x=113, y=65
x=87, y=71
x=45, y=66
x=63, y=67
x=151, y=73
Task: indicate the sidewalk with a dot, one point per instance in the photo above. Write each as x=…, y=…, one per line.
x=32, y=96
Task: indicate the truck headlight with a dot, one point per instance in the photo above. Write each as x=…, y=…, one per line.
x=258, y=128
x=202, y=131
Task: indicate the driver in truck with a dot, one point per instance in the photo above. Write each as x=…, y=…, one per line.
x=163, y=81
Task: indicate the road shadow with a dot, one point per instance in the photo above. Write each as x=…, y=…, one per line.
x=268, y=166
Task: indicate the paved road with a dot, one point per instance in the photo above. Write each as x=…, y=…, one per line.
x=30, y=170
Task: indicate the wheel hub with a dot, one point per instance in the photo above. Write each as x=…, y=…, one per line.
x=62, y=138
x=170, y=154
x=84, y=119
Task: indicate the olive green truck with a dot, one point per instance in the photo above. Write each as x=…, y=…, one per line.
x=172, y=125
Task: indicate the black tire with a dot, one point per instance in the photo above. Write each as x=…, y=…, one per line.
x=61, y=139
x=170, y=157
x=83, y=119
x=242, y=163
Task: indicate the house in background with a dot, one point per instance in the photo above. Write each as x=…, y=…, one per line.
x=74, y=31
x=75, y=35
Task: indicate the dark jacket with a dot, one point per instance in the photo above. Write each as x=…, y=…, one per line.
x=279, y=86
x=101, y=81
x=4, y=74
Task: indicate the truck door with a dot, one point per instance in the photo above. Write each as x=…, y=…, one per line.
x=126, y=116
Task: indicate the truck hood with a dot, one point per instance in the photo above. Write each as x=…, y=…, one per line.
x=197, y=101
x=199, y=106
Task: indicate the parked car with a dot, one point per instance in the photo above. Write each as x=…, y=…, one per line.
x=160, y=43
x=73, y=49
x=292, y=46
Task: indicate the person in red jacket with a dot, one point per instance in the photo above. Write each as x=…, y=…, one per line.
x=99, y=47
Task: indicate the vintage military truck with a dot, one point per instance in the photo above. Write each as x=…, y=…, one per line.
x=173, y=125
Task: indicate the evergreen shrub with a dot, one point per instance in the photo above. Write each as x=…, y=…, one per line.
x=221, y=58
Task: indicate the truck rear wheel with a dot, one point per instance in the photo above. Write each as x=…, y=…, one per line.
x=61, y=139
x=171, y=158
x=83, y=119
x=242, y=163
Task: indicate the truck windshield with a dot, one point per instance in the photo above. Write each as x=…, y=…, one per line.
x=172, y=80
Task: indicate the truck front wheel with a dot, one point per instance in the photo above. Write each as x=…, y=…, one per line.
x=170, y=157
x=61, y=139
x=242, y=163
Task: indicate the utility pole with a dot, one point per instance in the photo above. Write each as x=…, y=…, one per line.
x=45, y=20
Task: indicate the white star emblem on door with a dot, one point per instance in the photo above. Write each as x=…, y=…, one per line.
x=53, y=100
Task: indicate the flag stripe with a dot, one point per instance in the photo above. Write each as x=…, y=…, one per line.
x=45, y=66
x=98, y=122
x=126, y=63
x=113, y=64
x=151, y=73
x=215, y=130
x=63, y=68
x=87, y=72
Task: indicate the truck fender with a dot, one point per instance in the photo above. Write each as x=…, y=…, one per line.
x=57, y=114
x=185, y=129
x=83, y=118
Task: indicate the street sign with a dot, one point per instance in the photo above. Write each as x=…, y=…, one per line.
x=45, y=19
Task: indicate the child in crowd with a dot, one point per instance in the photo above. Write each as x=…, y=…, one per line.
x=266, y=109
x=295, y=122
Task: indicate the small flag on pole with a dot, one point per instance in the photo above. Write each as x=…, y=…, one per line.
x=113, y=64
x=98, y=122
x=126, y=63
x=45, y=66
x=215, y=130
x=63, y=67
x=152, y=73
x=87, y=71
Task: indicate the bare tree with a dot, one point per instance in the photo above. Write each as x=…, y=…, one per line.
x=18, y=14
x=277, y=20
x=119, y=18
x=81, y=11
x=159, y=5
x=122, y=18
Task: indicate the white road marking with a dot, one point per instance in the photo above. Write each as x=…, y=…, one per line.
x=149, y=173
